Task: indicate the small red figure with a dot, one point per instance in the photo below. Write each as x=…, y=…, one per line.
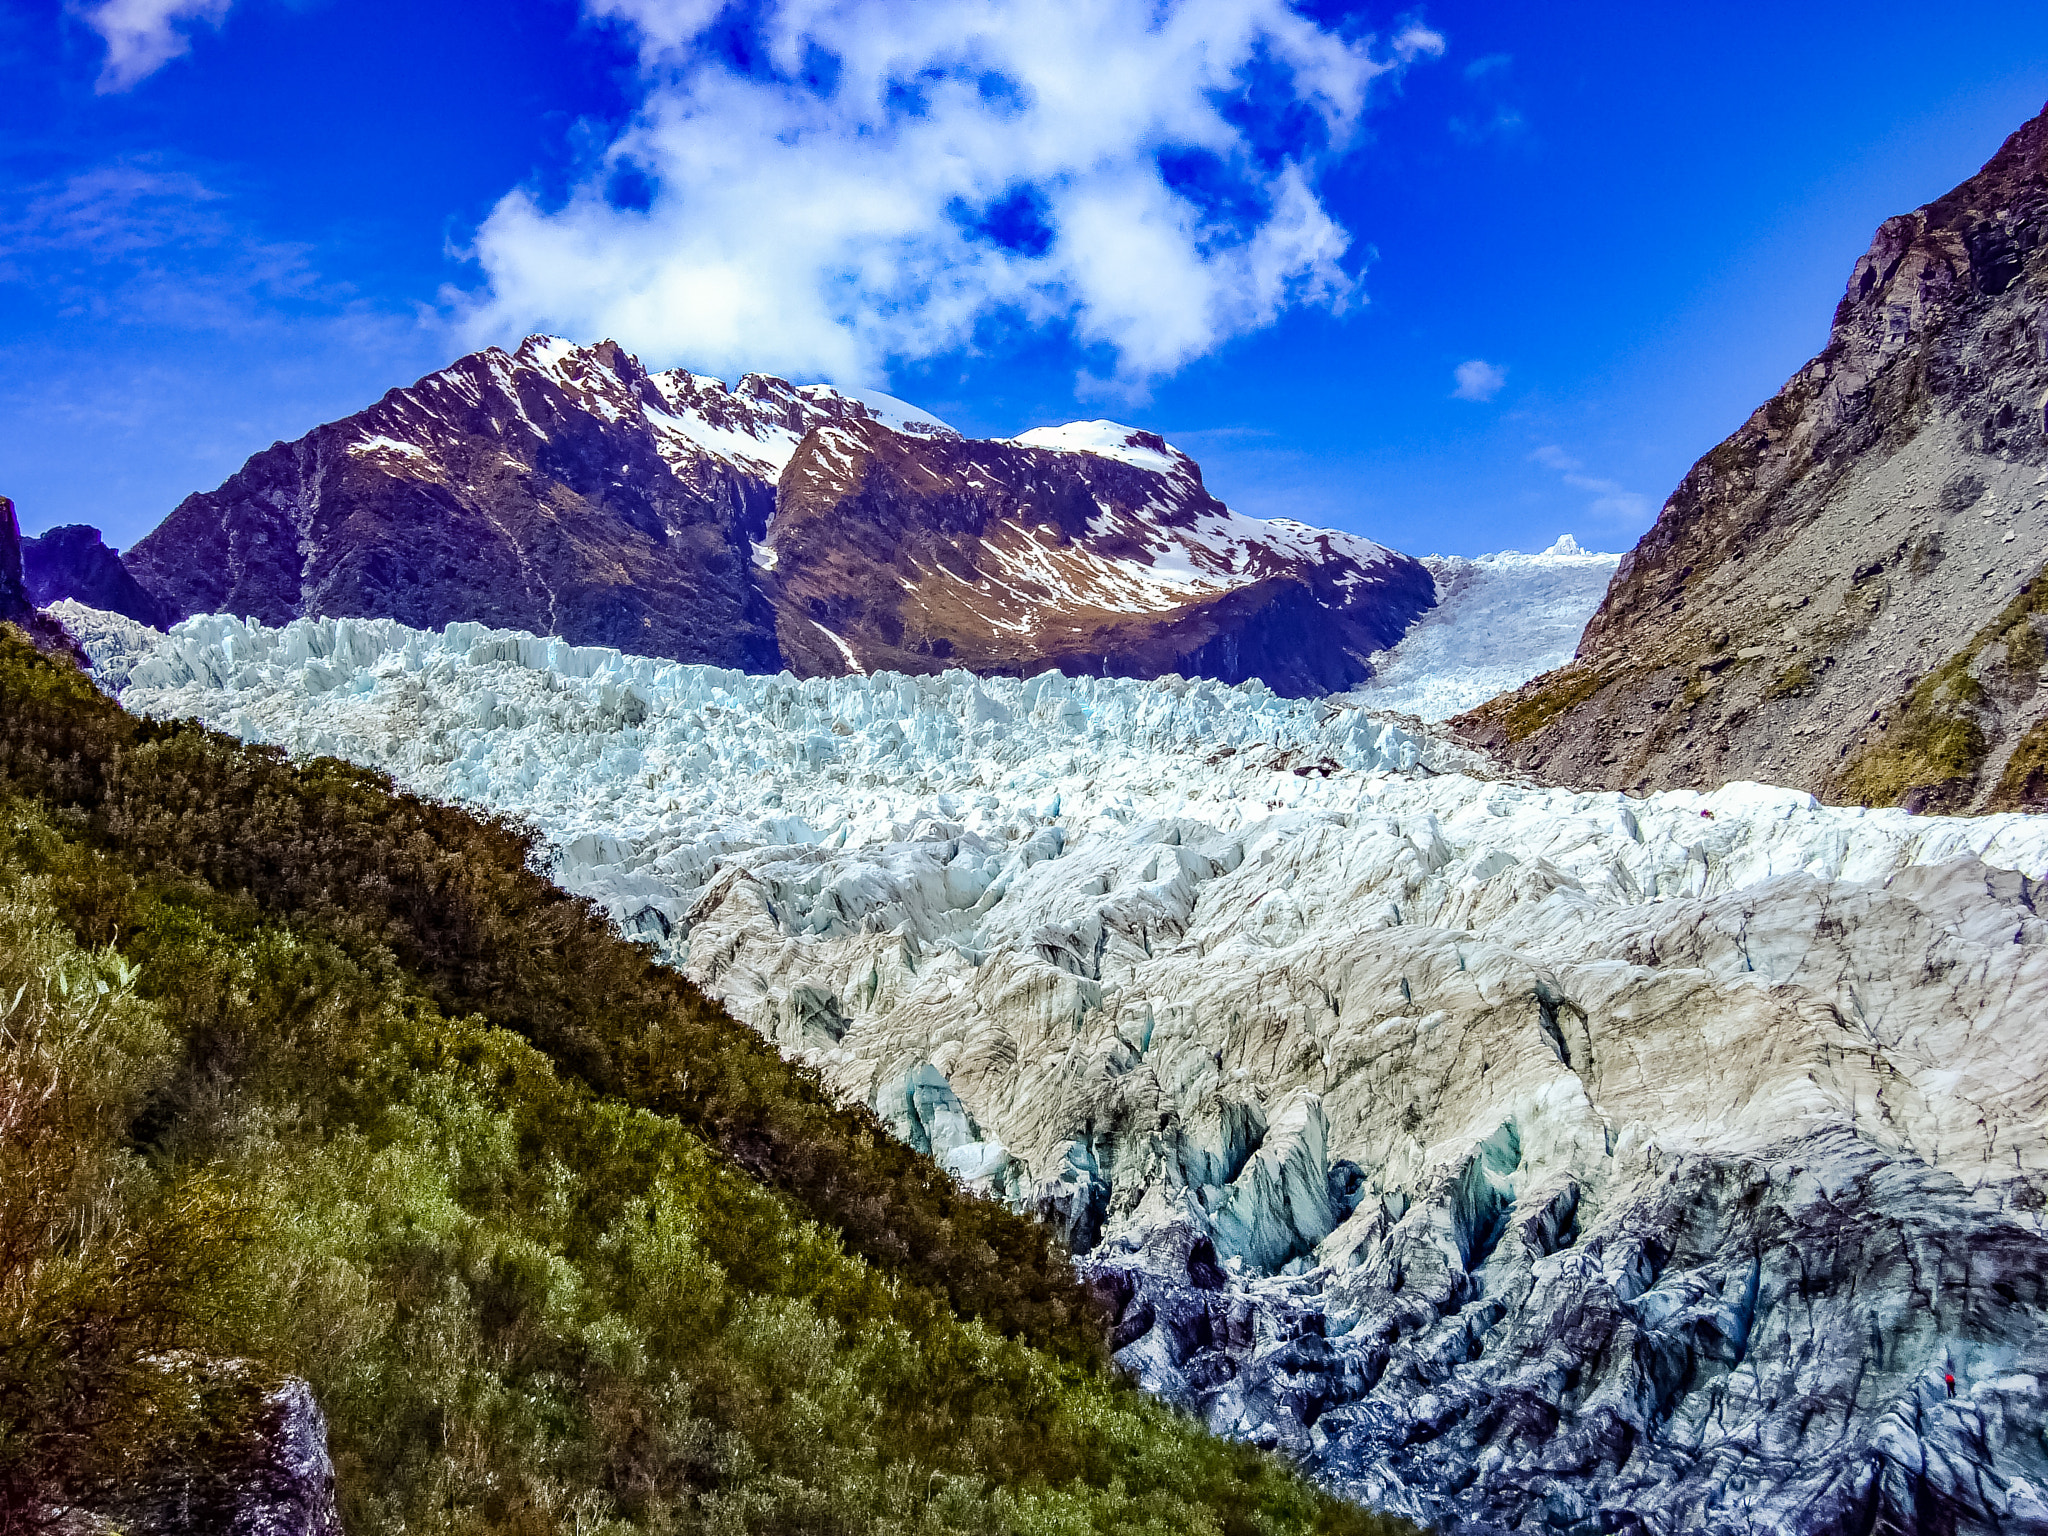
x=1950, y=1378
x=1707, y=815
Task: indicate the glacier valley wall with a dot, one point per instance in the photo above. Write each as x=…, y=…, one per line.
x=1517, y=1158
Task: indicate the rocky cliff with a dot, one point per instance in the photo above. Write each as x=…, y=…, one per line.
x=17, y=605
x=1847, y=594
x=566, y=490
x=72, y=564
x=1517, y=1158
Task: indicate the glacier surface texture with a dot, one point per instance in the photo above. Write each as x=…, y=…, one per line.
x=1516, y=1158
x=1499, y=621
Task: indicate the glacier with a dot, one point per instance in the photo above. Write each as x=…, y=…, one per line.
x=1516, y=1158
x=1499, y=621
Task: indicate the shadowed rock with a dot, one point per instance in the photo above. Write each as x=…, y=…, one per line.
x=72, y=563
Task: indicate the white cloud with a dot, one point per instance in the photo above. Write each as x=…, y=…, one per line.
x=1610, y=498
x=144, y=35
x=1478, y=380
x=885, y=181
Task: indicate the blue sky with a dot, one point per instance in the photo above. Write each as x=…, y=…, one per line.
x=1460, y=277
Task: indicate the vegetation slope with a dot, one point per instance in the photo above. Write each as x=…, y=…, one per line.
x=300, y=1076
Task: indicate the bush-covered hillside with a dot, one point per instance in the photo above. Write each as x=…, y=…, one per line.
x=304, y=1074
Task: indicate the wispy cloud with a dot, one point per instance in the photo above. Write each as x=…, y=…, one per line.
x=1611, y=499
x=144, y=35
x=140, y=242
x=846, y=183
x=1478, y=380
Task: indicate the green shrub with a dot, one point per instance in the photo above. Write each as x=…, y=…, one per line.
x=558, y=1245
x=399, y=881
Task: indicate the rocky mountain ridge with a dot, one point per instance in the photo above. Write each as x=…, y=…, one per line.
x=1090, y=548
x=568, y=490
x=73, y=563
x=1846, y=595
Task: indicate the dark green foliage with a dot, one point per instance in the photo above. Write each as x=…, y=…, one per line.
x=528, y=1261
x=451, y=897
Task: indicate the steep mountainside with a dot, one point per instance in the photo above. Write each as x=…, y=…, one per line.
x=17, y=604
x=1520, y=1159
x=1846, y=595
x=1088, y=548
x=559, y=488
x=72, y=564
x=565, y=490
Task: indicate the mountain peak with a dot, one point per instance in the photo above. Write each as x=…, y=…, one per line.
x=1111, y=440
x=565, y=489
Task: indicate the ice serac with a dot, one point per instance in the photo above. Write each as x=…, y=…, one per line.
x=566, y=490
x=1847, y=594
x=1090, y=548
x=1518, y=1158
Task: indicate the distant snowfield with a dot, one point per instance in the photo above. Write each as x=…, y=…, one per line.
x=1423, y=1056
x=1499, y=621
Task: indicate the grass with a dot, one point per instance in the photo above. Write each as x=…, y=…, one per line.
x=1931, y=756
x=1551, y=696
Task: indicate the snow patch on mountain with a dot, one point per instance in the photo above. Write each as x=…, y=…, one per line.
x=1499, y=621
x=1113, y=440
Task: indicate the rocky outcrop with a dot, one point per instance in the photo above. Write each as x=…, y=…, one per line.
x=565, y=490
x=1845, y=595
x=72, y=564
x=263, y=1472
x=1516, y=1158
x=17, y=607
x=1087, y=549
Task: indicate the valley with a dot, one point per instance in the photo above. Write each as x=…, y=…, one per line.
x=1604, y=1135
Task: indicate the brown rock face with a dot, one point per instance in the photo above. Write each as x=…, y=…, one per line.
x=565, y=490
x=1846, y=595
x=1018, y=557
x=557, y=489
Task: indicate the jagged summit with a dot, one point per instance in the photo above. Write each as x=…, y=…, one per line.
x=568, y=490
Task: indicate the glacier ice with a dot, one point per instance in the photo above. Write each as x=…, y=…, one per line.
x=1509, y=1154
x=1499, y=621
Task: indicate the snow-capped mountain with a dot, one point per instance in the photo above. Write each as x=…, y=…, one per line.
x=567, y=490
x=563, y=489
x=1090, y=548
x=1516, y=1157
